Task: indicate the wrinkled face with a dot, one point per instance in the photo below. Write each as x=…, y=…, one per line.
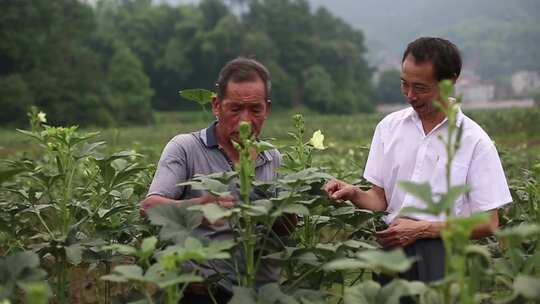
x=419, y=86
x=243, y=101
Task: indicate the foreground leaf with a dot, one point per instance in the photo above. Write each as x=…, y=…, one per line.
x=527, y=286
x=177, y=222
x=201, y=96
x=213, y=212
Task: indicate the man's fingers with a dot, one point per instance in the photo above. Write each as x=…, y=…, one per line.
x=340, y=194
x=219, y=222
x=395, y=223
x=207, y=198
x=226, y=204
x=226, y=198
x=226, y=201
x=331, y=186
x=385, y=242
x=388, y=242
x=345, y=193
x=385, y=233
x=223, y=201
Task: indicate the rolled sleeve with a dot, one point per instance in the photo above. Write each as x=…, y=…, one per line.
x=171, y=170
x=489, y=188
x=372, y=171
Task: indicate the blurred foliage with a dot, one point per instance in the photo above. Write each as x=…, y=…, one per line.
x=112, y=62
x=388, y=87
x=72, y=182
x=535, y=95
x=496, y=37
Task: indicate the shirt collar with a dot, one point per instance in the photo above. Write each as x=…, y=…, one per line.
x=459, y=118
x=208, y=135
x=411, y=114
x=209, y=138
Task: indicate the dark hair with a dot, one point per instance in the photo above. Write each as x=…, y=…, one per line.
x=242, y=69
x=442, y=53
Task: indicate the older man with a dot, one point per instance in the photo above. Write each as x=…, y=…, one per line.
x=406, y=146
x=243, y=89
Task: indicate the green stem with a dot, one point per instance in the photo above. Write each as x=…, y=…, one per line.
x=357, y=278
x=45, y=225
x=181, y=293
x=213, y=266
x=336, y=233
x=249, y=247
x=146, y=294
x=172, y=294
x=306, y=230
x=300, y=278
x=61, y=280
x=267, y=235
x=67, y=197
x=107, y=283
x=301, y=152
x=98, y=289
x=342, y=290
x=212, y=296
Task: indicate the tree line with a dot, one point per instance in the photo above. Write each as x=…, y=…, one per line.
x=114, y=62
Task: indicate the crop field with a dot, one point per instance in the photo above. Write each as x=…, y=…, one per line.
x=70, y=229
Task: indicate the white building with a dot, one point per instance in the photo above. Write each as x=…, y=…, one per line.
x=524, y=81
x=473, y=89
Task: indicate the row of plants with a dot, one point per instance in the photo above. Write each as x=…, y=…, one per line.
x=76, y=208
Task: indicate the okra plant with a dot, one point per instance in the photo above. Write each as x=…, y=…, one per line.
x=68, y=203
x=169, y=273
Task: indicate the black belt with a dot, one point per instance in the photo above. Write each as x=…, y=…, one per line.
x=199, y=293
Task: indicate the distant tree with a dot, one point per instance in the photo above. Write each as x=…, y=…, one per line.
x=46, y=42
x=259, y=45
x=498, y=47
x=15, y=99
x=284, y=86
x=185, y=46
x=129, y=87
x=212, y=12
x=388, y=87
x=288, y=24
x=350, y=100
x=87, y=64
x=319, y=89
x=304, y=39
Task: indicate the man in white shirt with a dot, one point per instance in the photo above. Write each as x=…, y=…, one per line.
x=406, y=146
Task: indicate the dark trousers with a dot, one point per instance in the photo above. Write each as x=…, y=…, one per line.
x=222, y=296
x=429, y=265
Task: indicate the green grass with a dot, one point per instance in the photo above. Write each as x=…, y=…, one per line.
x=343, y=133
x=347, y=130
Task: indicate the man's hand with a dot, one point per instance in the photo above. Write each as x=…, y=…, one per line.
x=223, y=201
x=339, y=190
x=372, y=199
x=402, y=232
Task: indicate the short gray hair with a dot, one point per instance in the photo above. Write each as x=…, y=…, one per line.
x=242, y=69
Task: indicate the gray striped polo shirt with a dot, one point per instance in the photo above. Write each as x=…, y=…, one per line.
x=199, y=153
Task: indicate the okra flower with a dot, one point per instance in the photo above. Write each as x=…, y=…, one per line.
x=42, y=117
x=317, y=140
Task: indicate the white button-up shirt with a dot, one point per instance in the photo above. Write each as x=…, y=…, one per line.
x=401, y=151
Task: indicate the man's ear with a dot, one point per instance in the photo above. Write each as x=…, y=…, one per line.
x=454, y=79
x=268, y=106
x=216, y=102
